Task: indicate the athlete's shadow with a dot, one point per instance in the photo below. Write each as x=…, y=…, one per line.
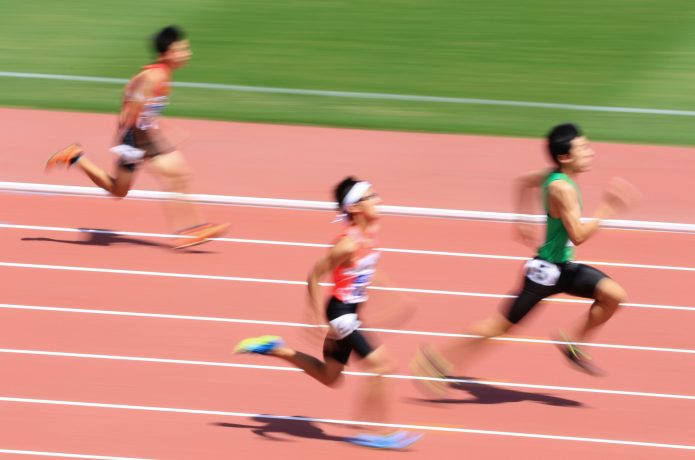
x=489, y=394
x=102, y=237
x=296, y=428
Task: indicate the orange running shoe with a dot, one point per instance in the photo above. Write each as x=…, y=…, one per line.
x=199, y=234
x=67, y=156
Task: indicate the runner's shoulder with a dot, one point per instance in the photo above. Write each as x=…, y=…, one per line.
x=345, y=243
x=154, y=74
x=560, y=186
x=561, y=190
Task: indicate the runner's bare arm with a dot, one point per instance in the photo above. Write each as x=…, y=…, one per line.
x=564, y=204
x=337, y=255
x=525, y=195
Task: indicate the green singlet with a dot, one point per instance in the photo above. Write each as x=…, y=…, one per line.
x=557, y=247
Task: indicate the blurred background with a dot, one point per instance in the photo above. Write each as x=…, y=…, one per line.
x=452, y=99
x=637, y=54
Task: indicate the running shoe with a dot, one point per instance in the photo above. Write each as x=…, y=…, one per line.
x=394, y=441
x=576, y=356
x=259, y=345
x=199, y=234
x=66, y=156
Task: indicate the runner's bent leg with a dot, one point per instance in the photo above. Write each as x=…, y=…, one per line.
x=173, y=173
x=608, y=297
x=326, y=372
x=375, y=400
x=118, y=186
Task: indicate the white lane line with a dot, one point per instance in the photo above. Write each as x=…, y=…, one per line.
x=509, y=296
x=303, y=283
x=65, y=455
x=351, y=373
x=73, y=190
x=303, y=325
x=447, y=429
x=319, y=245
x=363, y=95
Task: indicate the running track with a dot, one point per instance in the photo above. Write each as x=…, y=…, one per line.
x=116, y=347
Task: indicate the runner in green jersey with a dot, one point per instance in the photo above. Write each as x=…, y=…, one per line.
x=551, y=271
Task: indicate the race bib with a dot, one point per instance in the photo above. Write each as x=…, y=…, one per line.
x=128, y=154
x=344, y=325
x=542, y=272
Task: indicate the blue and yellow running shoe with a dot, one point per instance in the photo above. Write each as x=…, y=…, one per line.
x=259, y=345
x=394, y=441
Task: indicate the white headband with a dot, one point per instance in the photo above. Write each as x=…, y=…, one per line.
x=352, y=197
x=355, y=193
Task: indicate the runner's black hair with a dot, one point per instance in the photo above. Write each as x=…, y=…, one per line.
x=166, y=37
x=560, y=139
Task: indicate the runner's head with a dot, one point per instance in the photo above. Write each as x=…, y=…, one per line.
x=357, y=198
x=171, y=46
x=569, y=149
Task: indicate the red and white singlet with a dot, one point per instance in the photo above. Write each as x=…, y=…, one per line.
x=351, y=281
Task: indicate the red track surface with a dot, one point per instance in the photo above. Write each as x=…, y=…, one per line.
x=88, y=357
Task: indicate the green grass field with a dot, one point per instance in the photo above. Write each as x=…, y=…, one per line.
x=637, y=53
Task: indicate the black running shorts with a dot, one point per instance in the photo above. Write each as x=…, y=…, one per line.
x=544, y=279
x=340, y=349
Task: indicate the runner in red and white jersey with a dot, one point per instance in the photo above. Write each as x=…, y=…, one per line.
x=352, y=262
x=138, y=140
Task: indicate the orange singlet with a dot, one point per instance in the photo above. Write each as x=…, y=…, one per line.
x=146, y=117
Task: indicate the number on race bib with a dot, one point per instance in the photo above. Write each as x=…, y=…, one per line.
x=542, y=272
x=344, y=325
